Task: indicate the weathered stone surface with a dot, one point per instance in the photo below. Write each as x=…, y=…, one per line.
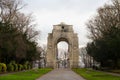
x=62, y=32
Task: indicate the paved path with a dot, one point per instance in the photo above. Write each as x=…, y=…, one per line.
x=61, y=74
x=114, y=74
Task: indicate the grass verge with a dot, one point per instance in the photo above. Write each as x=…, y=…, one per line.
x=27, y=75
x=95, y=75
x=115, y=71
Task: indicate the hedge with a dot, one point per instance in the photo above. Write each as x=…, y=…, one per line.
x=20, y=67
x=3, y=67
x=10, y=67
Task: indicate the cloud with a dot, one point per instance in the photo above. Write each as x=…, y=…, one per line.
x=46, y=20
x=73, y=12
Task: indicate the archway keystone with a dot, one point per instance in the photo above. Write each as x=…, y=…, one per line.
x=62, y=32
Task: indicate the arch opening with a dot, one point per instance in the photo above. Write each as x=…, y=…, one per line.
x=62, y=57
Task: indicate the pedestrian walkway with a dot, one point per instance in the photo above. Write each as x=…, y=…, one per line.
x=61, y=74
x=114, y=74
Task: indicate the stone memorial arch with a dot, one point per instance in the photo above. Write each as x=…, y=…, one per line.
x=62, y=32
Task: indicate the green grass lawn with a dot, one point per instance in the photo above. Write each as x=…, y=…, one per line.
x=27, y=75
x=95, y=75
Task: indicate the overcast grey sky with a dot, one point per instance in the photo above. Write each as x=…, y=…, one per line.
x=74, y=12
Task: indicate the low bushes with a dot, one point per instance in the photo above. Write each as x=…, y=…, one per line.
x=0, y=67
x=12, y=66
x=20, y=67
x=15, y=65
x=3, y=67
x=27, y=65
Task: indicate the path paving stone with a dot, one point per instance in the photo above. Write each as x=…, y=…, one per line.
x=61, y=74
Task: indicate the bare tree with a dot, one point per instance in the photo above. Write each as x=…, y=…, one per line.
x=17, y=31
x=9, y=9
x=107, y=17
x=104, y=30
